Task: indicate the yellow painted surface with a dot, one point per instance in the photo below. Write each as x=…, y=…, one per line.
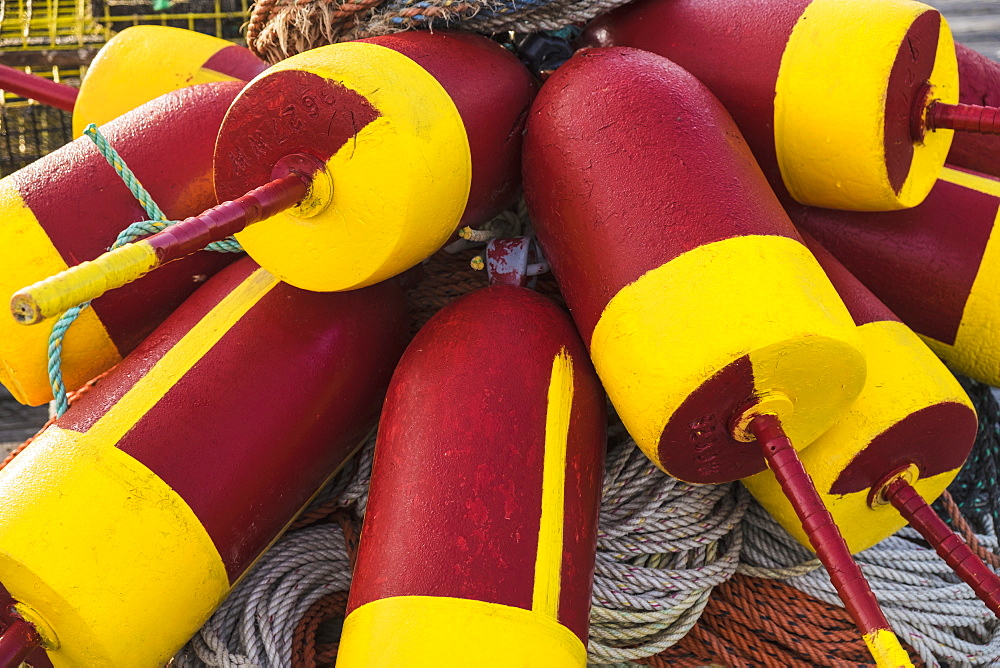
x=904, y=376
x=26, y=256
x=399, y=189
x=976, y=351
x=140, y=64
x=659, y=339
x=548, y=560
x=886, y=650
x=102, y=550
x=89, y=280
x=110, y=558
x=829, y=129
x=431, y=631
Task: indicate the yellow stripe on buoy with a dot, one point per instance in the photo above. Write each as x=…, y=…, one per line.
x=548, y=559
x=433, y=631
x=87, y=349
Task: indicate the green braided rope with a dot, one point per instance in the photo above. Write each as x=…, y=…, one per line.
x=131, y=233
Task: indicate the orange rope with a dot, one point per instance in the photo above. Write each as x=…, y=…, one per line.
x=961, y=526
x=760, y=622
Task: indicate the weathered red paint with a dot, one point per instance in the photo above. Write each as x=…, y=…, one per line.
x=457, y=482
x=845, y=574
x=492, y=91
x=269, y=413
x=964, y=117
x=235, y=61
x=40, y=89
x=290, y=111
x=82, y=204
x=702, y=421
x=905, y=93
x=937, y=439
x=913, y=260
x=979, y=83
x=604, y=132
x=946, y=543
x=734, y=48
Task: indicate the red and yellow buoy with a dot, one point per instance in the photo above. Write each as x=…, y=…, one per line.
x=128, y=521
x=845, y=104
x=70, y=205
x=718, y=337
x=480, y=532
x=897, y=449
x=137, y=65
x=937, y=266
x=363, y=158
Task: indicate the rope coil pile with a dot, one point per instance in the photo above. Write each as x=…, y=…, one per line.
x=279, y=29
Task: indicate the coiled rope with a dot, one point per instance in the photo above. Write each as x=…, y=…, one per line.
x=279, y=29
x=928, y=606
x=663, y=545
x=157, y=222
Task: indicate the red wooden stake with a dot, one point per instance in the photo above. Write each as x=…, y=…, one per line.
x=946, y=542
x=16, y=643
x=967, y=117
x=193, y=234
x=818, y=524
x=37, y=88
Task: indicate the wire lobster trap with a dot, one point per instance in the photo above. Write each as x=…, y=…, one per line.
x=58, y=38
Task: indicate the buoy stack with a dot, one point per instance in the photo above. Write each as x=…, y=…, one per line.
x=668, y=169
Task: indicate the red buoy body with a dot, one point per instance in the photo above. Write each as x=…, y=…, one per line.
x=128, y=521
x=480, y=532
x=829, y=94
x=937, y=266
x=700, y=304
x=411, y=135
x=912, y=419
x=70, y=205
x=979, y=83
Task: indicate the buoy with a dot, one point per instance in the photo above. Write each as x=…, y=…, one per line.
x=897, y=449
x=936, y=266
x=137, y=65
x=362, y=157
x=70, y=206
x=127, y=522
x=847, y=104
x=718, y=338
x=979, y=83
x=480, y=533
x=141, y=63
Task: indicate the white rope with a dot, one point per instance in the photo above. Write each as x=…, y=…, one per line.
x=925, y=602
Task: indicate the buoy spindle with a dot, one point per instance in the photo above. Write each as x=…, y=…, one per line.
x=16, y=642
x=829, y=544
x=949, y=546
x=40, y=89
x=963, y=117
x=116, y=268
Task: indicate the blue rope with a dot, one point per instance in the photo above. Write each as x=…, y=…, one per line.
x=158, y=221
